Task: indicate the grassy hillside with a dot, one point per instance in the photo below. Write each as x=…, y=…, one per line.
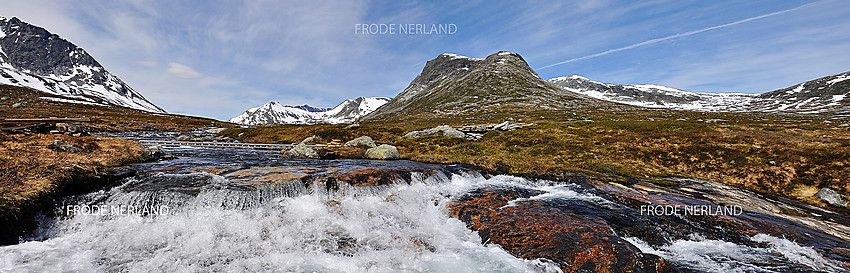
x=103, y=118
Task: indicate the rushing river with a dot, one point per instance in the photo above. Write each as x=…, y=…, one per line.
x=241, y=211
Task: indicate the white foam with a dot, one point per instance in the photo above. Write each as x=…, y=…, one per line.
x=705, y=255
x=404, y=228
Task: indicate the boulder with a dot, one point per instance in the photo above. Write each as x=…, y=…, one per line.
x=361, y=141
x=64, y=146
x=184, y=138
x=153, y=152
x=383, y=152
x=831, y=197
x=301, y=151
x=445, y=129
x=18, y=105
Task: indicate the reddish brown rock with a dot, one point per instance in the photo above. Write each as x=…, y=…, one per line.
x=532, y=229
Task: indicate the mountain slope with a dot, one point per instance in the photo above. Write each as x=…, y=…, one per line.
x=32, y=57
x=452, y=85
x=274, y=112
x=827, y=96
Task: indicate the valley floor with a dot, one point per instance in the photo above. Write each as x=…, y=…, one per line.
x=785, y=155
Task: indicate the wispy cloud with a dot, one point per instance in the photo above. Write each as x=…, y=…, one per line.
x=183, y=71
x=147, y=63
x=680, y=35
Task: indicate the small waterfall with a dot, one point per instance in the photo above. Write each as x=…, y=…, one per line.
x=213, y=226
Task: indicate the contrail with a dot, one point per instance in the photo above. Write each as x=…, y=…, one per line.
x=689, y=33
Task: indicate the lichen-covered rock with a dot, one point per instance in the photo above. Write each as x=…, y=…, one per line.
x=64, y=146
x=383, y=152
x=364, y=141
x=301, y=151
x=445, y=129
x=153, y=152
x=535, y=229
x=831, y=197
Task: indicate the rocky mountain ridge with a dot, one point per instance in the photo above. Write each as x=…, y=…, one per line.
x=452, y=84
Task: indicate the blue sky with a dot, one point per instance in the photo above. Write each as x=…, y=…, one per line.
x=217, y=59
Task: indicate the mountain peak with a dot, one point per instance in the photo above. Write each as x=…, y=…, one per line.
x=32, y=57
x=450, y=85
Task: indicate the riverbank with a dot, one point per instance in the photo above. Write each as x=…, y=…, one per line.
x=785, y=155
x=32, y=170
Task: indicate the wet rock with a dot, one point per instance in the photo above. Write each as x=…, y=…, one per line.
x=534, y=229
x=364, y=141
x=327, y=154
x=831, y=197
x=383, y=152
x=445, y=129
x=64, y=146
x=153, y=152
x=301, y=151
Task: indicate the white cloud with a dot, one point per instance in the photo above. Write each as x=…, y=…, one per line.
x=183, y=71
x=147, y=63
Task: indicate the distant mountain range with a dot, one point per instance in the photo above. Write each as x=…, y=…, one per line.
x=274, y=112
x=825, y=96
x=32, y=57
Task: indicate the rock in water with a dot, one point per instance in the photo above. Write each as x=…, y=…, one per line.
x=831, y=197
x=65, y=147
x=301, y=151
x=383, y=152
x=361, y=141
x=153, y=152
x=445, y=129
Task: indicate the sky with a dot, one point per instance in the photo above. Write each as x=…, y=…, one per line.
x=219, y=58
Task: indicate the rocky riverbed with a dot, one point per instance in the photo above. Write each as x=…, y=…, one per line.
x=243, y=210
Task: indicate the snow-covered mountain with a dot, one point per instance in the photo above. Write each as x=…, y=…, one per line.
x=827, y=95
x=32, y=57
x=274, y=112
x=650, y=95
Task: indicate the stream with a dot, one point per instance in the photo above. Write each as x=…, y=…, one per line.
x=253, y=211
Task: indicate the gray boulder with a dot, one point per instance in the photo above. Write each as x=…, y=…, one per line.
x=361, y=141
x=301, y=151
x=445, y=129
x=153, y=152
x=18, y=105
x=383, y=152
x=64, y=146
x=831, y=197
